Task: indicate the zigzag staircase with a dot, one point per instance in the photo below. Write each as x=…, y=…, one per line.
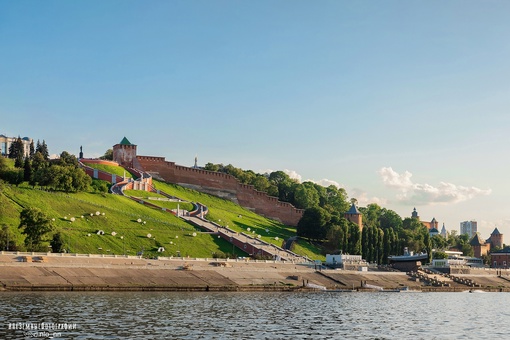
x=245, y=242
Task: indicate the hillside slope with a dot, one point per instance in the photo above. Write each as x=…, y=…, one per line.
x=75, y=216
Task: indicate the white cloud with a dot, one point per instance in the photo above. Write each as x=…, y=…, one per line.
x=327, y=182
x=417, y=193
x=293, y=174
x=364, y=200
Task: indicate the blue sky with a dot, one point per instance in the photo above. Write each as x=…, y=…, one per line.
x=403, y=103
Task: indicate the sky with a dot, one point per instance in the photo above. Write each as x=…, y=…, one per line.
x=402, y=103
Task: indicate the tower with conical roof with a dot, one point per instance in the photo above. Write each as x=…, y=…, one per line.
x=355, y=216
x=496, y=239
x=434, y=224
x=443, y=232
x=124, y=153
x=478, y=245
x=415, y=214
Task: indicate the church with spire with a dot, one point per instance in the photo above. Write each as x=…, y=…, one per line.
x=430, y=225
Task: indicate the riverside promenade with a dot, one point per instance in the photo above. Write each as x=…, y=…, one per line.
x=49, y=271
x=93, y=272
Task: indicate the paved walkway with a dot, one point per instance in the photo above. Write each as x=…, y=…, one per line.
x=242, y=241
x=249, y=244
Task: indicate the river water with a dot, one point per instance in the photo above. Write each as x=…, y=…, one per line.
x=329, y=315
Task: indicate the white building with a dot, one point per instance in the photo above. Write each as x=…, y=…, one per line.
x=343, y=261
x=5, y=143
x=468, y=227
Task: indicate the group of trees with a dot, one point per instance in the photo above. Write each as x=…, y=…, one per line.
x=62, y=174
x=278, y=184
x=384, y=233
x=36, y=226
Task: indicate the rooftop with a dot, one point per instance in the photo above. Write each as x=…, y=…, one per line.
x=125, y=141
x=353, y=210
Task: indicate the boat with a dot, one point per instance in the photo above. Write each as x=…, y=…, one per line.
x=408, y=257
x=399, y=290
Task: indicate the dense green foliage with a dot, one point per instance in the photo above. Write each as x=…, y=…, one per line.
x=108, y=155
x=35, y=225
x=76, y=226
x=302, y=195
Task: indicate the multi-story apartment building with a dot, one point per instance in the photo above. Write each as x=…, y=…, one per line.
x=468, y=227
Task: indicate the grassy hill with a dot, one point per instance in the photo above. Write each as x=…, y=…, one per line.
x=79, y=217
x=117, y=170
x=119, y=215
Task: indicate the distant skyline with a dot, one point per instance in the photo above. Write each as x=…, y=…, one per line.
x=404, y=104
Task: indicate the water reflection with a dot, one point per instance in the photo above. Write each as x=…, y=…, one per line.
x=149, y=315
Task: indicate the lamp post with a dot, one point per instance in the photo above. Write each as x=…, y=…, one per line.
x=123, y=245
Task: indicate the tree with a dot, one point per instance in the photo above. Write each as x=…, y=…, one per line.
x=213, y=167
x=16, y=149
x=27, y=170
x=390, y=219
x=365, y=243
x=335, y=240
x=66, y=178
x=261, y=183
x=18, y=162
x=43, y=149
x=428, y=246
x=286, y=186
x=67, y=159
x=3, y=163
x=13, y=176
x=108, y=155
x=32, y=149
x=440, y=255
x=371, y=215
x=467, y=250
x=306, y=196
x=7, y=241
x=99, y=186
x=438, y=242
x=387, y=247
x=57, y=243
x=314, y=224
x=336, y=199
x=354, y=239
x=380, y=246
x=81, y=181
x=35, y=225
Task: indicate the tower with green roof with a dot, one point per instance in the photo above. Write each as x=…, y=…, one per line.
x=124, y=153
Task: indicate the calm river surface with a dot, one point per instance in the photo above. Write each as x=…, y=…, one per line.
x=172, y=315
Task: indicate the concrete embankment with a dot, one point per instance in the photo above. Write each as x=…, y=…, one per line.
x=54, y=272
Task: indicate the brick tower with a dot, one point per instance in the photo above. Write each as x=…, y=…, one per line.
x=355, y=216
x=124, y=153
x=496, y=239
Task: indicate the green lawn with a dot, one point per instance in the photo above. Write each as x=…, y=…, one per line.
x=152, y=198
x=120, y=216
x=75, y=215
x=112, y=169
x=227, y=213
